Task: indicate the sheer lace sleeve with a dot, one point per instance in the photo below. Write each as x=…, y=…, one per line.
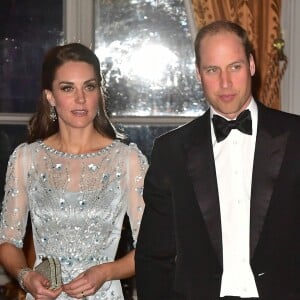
x=15, y=203
x=137, y=167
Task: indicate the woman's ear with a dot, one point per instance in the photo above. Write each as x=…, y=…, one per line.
x=49, y=96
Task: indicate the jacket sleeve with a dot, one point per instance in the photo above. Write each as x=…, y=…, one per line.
x=156, y=250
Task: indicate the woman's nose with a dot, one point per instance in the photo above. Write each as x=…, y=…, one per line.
x=80, y=96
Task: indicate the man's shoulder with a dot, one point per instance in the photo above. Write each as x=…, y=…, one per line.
x=278, y=117
x=184, y=130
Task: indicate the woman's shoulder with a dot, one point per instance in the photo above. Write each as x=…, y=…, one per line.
x=24, y=148
x=128, y=147
x=130, y=151
x=22, y=154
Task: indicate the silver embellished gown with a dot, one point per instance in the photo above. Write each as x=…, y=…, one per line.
x=77, y=204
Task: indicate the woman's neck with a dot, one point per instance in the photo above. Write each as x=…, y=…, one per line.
x=78, y=144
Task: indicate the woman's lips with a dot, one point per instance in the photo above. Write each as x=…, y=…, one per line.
x=79, y=112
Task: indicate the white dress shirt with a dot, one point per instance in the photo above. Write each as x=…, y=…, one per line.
x=234, y=163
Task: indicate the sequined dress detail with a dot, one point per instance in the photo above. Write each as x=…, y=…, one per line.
x=77, y=204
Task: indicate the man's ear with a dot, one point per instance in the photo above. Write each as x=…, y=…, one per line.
x=198, y=73
x=252, y=65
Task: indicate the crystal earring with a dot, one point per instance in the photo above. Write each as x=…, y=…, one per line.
x=53, y=116
x=98, y=114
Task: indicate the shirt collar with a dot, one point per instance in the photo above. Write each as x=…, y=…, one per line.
x=252, y=106
x=254, y=116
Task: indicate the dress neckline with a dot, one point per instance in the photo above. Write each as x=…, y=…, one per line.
x=83, y=155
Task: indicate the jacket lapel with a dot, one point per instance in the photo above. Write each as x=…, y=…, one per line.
x=201, y=168
x=269, y=153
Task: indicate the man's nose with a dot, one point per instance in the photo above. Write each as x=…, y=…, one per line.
x=225, y=79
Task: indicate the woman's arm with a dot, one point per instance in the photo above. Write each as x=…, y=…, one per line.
x=14, y=262
x=90, y=281
x=13, y=223
x=14, y=213
x=12, y=259
x=121, y=268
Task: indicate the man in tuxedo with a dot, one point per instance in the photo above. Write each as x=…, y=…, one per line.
x=222, y=194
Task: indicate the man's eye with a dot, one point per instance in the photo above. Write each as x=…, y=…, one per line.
x=211, y=70
x=236, y=67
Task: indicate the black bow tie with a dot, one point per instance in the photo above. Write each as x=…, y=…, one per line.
x=223, y=127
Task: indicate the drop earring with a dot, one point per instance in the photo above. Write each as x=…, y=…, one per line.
x=52, y=115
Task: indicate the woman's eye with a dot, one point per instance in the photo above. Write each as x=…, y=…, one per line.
x=91, y=87
x=67, y=88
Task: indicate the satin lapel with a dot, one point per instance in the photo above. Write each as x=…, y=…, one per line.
x=269, y=153
x=201, y=168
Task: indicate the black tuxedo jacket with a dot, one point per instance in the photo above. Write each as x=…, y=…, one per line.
x=179, y=248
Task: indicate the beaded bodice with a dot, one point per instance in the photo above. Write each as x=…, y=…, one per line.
x=77, y=202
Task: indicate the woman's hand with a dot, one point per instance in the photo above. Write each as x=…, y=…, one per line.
x=88, y=282
x=38, y=286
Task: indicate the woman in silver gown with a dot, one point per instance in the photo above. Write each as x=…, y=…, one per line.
x=77, y=181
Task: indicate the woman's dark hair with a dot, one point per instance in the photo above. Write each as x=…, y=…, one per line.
x=40, y=125
x=222, y=26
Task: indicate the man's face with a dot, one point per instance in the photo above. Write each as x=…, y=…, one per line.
x=225, y=73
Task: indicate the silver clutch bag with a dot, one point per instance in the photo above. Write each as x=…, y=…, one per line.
x=50, y=268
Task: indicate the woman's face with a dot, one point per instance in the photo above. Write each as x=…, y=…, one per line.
x=75, y=94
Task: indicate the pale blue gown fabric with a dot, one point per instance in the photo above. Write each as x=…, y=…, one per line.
x=77, y=205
